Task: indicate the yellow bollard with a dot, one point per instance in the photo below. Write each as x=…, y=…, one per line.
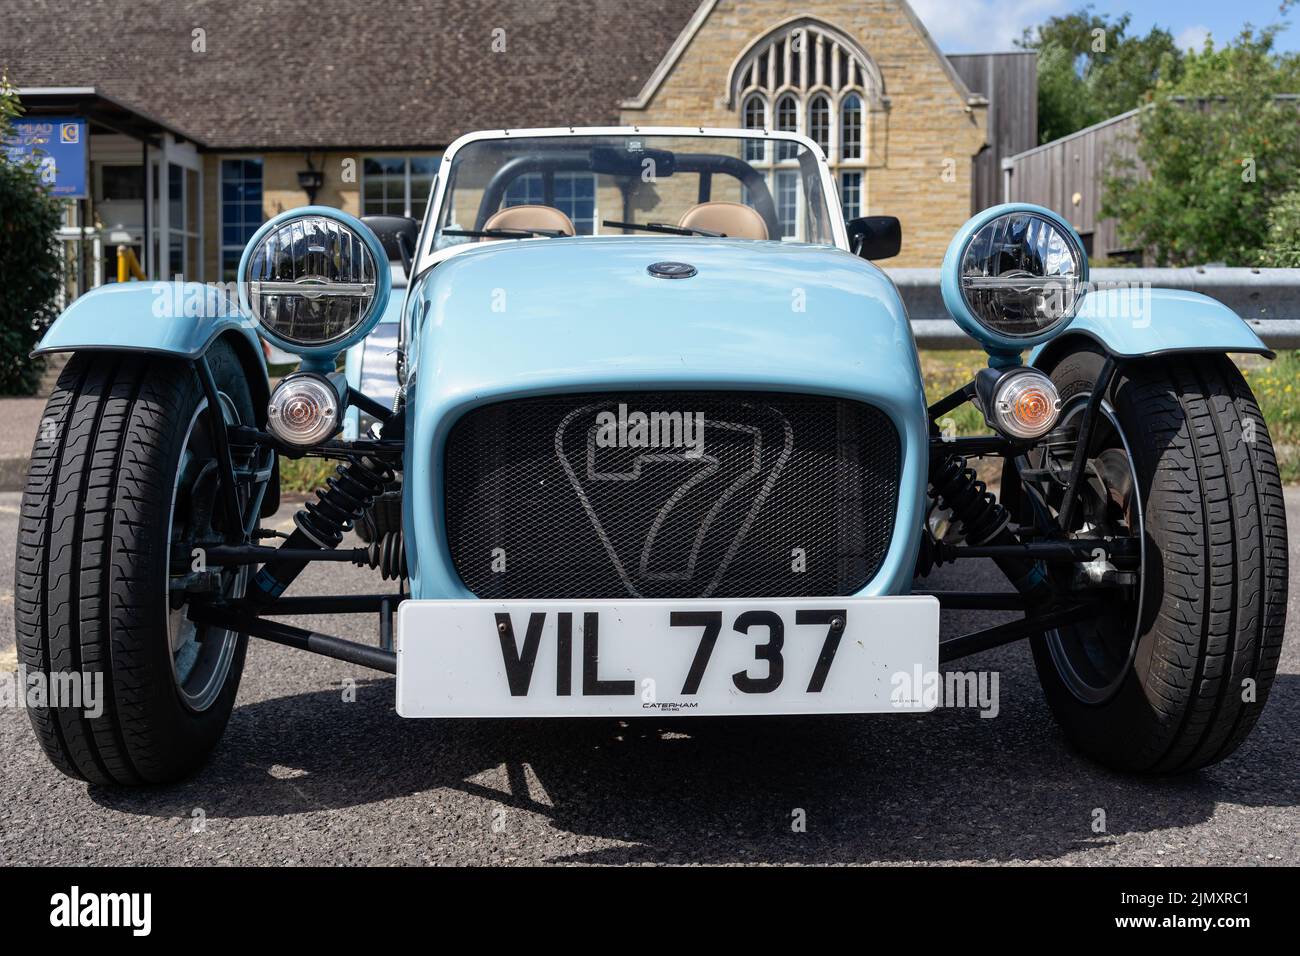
x=128, y=266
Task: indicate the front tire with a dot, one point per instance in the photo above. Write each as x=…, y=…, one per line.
x=1205, y=648
x=121, y=443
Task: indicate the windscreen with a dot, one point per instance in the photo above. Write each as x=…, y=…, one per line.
x=752, y=188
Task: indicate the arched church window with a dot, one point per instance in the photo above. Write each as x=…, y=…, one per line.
x=809, y=78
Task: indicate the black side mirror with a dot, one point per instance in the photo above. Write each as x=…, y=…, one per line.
x=875, y=237
x=397, y=234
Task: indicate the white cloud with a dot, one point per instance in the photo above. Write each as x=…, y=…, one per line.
x=1192, y=38
x=983, y=25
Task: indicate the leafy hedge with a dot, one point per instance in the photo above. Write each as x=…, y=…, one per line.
x=1282, y=246
x=30, y=266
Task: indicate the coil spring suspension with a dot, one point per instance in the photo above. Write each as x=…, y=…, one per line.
x=979, y=515
x=388, y=555
x=345, y=497
x=982, y=520
x=323, y=522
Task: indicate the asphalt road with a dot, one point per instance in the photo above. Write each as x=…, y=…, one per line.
x=304, y=777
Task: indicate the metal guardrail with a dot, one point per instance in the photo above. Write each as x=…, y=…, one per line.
x=1268, y=299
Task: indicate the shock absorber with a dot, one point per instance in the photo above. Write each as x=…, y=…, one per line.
x=323, y=522
x=982, y=520
x=979, y=516
x=346, y=495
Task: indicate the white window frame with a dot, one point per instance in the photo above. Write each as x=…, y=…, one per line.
x=784, y=170
x=837, y=157
x=813, y=95
x=406, y=178
x=158, y=159
x=766, y=105
x=862, y=189
x=192, y=271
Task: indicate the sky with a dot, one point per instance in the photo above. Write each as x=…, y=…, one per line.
x=970, y=26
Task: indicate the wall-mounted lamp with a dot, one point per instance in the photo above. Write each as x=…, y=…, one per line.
x=310, y=181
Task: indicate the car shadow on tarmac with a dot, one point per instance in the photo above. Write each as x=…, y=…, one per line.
x=943, y=786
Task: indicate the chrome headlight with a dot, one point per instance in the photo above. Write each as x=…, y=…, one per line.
x=314, y=280
x=1017, y=275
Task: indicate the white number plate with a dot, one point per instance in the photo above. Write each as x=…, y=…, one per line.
x=697, y=657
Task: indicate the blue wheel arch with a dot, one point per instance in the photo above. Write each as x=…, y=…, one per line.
x=140, y=317
x=1144, y=323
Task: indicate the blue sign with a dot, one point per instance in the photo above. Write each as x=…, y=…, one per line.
x=57, y=146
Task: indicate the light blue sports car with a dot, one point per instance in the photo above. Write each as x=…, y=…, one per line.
x=644, y=432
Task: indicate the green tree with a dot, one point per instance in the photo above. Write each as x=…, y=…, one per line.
x=1282, y=243
x=1217, y=150
x=1090, y=69
x=30, y=267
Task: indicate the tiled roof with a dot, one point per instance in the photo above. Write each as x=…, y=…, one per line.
x=345, y=73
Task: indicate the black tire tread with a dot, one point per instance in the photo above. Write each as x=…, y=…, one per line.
x=87, y=596
x=1214, y=510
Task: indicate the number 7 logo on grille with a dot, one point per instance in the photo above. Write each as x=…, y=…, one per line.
x=701, y=501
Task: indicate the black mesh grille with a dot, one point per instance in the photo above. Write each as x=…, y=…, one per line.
x=546, y=498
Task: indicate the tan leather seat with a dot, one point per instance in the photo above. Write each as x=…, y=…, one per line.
x=732, y=219
x=529, y=217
